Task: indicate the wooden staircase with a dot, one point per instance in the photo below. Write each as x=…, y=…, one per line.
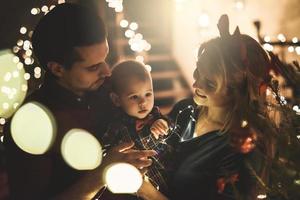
x=155, y=25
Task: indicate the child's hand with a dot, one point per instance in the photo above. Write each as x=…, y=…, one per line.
x=159, y=127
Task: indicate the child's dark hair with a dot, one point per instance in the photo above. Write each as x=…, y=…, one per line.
x=124, y=71
x=65, y=27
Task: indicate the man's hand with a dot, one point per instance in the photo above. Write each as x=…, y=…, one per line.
x=159, y=127
x=124, y=153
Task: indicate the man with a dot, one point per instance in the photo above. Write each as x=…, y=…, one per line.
x=70, y=43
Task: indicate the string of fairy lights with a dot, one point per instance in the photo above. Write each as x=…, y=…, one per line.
x=292, y=46
x=23, y=48
x=23, y=60
x=136, y=40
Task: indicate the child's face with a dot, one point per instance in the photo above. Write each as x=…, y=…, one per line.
x=136, y=98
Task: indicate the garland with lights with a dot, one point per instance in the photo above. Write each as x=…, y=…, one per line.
x=285, y=171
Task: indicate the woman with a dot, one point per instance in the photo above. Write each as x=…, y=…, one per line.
x=219, y=157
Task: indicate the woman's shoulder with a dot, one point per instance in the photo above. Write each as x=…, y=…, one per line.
x=185, y=102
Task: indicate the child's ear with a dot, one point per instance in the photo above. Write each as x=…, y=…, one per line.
x=115, y=99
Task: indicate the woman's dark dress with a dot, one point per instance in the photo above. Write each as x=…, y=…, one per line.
x=203, y=164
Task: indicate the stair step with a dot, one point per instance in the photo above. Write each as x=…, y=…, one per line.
x=162, y=84
x=172, y=93
x=124, y=41
x=165, y=75
x=165, y=65
x=158, y=58
x=155, y=49
x=164, y=102
x=149, y=58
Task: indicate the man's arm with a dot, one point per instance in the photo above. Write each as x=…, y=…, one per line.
x=88, y=186
x=29, y=175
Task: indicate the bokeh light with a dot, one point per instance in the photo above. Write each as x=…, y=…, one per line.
x=81, y=150
x=203, y=20
x=133, y=26
x=123, y=178
x=123, y=23
x=23, y=30
x=11, y=82
x=33, y=128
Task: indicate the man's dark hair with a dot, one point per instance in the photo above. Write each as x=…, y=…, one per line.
x=65, y=27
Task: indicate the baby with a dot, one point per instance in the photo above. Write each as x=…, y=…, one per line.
x=137, y=119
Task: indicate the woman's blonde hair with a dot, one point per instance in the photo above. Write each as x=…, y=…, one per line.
x=238, y=65
x=221, y=63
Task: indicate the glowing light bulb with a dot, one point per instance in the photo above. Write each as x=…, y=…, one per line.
x=37, y=70
x=147, y=47
x=123, y=23
x=23, y=30
x=16, y=59
x=81, y=150
x=239, y=5
x=140, y=59
x=129, y=33
x=267, y=38
x=244, y=123
x=119, y=8
x=33, y=128
x=20, y=66
x=148, y=67
x=35, y=11
x=291, y=49
x=203, y=20
x=27, y=61
x=2, y=121
x=20, y=42
x=123, y=178
x=26, y=76
x=61, y=1
x=138, y=36
x=268, y=47
x=295, y=108
x=26, y=45
x=51, y=7
x=281, y=37
x=28, y=52
x=45, y=8
x=133, y=26
x=16, y=49
x=297, y=50
x=295, y=40
x=262, y=196
x=37, y=76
